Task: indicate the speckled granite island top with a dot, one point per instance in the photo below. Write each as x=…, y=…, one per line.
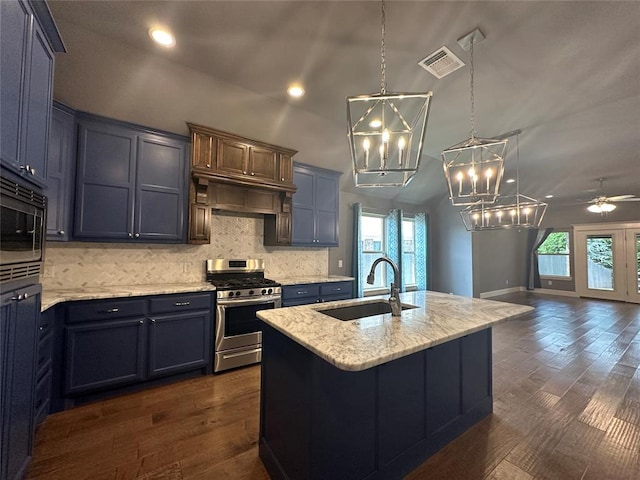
x=51, y=297
x=367, y=342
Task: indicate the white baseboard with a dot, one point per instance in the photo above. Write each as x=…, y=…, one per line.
x=504, y=291
x=561, y=293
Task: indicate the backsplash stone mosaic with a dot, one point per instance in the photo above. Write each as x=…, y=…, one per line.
x=74, y=264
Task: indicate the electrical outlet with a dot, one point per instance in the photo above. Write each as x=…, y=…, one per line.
x=507, y=282
x=48, y=272
x=549, y=282
x=339, y=263
x=185, y=267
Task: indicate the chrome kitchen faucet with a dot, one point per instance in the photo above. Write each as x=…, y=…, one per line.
x=394, y=299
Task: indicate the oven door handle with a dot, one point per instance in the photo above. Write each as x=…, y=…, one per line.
x=252, y=301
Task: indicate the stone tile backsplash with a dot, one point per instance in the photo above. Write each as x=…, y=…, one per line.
x=72, y=265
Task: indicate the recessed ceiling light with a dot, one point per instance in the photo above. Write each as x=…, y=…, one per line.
x=295, y=90
x=511, y=180
x=548, y=196
x=162, y=37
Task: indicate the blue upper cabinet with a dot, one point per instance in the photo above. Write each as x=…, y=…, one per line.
x=315, y=206
x=29, y=38
x=130, y=183
x=60, y=173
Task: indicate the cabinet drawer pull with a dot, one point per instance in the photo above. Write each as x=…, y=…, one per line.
x=60, y=232
x=111, y=310
x=137, y=235
x=153, y=320
x=141, y=322
x=302, y=292
x=181, y=304
x=336, y=289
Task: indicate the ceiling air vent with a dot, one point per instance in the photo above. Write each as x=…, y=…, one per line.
x=441, y=62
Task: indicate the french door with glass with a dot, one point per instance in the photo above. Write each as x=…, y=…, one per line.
x=608, y=261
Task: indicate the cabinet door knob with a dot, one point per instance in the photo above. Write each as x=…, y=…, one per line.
x=208, y=165
x=153, y=320
x=130, y=235
x=25, y=296
x=60, y=232
x=252, y=173
x=282, y=179
x=244, y=172
x=137, y=235
x=141, y=322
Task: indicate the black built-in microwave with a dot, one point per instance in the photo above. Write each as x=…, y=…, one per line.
x=22, y=235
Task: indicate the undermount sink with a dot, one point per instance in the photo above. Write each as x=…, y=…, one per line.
x=353, y=312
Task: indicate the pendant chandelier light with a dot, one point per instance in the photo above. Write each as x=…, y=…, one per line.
x=508, y=211
x=386, y=131
x=473, y=168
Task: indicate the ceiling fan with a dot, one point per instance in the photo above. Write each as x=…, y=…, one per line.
x=604, y=204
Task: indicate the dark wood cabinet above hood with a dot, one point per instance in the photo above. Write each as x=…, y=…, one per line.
x=233, y=173
x=227, y=158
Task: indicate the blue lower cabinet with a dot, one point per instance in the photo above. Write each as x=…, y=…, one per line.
x=19, y=318
x=122, y=342
x=105, y=354
x=304, y=294
x=179, y=342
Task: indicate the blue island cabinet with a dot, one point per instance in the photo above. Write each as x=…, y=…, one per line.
x=318, y=422
x=19, y=319
x=130, y=183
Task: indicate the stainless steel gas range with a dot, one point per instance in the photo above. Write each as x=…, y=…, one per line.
x=242, y=291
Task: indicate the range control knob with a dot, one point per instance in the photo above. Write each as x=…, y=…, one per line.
x=270, y=290
x=231, y=294
x=250, y=292
x=264, y=291
x=238, y=293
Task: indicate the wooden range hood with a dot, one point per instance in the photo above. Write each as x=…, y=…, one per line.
x=238, y=174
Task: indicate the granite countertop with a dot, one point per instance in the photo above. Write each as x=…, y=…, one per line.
x=51, y=297
x=312, y=279
x=367, y=342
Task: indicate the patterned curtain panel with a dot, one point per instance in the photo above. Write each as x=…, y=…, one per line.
x=421, y=250
x=393, y=228
x=356, y=266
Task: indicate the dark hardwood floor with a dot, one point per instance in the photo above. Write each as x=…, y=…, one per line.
x=566, y=406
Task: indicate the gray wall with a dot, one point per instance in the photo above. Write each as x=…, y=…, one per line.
x=451, y=251
x=499, y=260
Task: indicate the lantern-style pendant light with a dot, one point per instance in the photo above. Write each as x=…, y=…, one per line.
x=386, y=132
x=473, y=168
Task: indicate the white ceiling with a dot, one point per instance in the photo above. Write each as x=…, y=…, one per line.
x=566, y=73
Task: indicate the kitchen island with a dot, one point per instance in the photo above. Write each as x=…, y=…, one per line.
x=372, y=398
